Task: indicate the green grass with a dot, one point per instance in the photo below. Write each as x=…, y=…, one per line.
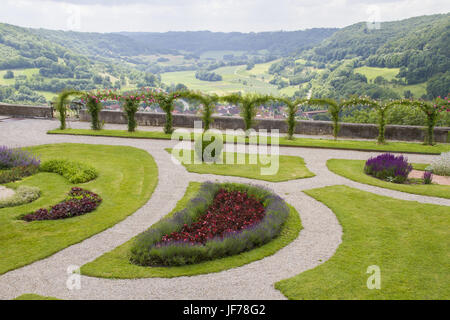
x=127, y=178
x=372, y=72
x=290, y=168
x=116, y=264
x=232, y=81
x=354, y=170
x=404, y=147
x=32, y=296
x=408, y=240
x=17, y=72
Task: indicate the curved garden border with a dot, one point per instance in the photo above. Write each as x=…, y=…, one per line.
x=354, y=170
x=116, y=264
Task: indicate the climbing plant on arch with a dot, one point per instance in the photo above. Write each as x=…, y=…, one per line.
x=61, y=105
x=334, y=108
x=381, y=107
x=431, y=110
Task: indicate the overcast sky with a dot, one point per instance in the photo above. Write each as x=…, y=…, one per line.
x=214, y=15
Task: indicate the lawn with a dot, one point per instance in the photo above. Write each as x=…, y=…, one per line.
x=127, y=178
x=404, y=147
x=290, y=168
x=354, y=170
x=116, y=264
x=408, y=240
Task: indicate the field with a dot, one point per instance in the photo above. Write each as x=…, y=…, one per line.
x=371, y=72
x=17, y=72
x=235, y=78
x=389, y=74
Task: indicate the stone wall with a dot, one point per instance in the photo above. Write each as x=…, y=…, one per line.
x=348, y=130
x=21, y=111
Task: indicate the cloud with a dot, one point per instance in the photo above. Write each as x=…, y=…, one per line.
x=214, y=15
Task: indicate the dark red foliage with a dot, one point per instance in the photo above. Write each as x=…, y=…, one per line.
x=78, y=202
x=229, y=212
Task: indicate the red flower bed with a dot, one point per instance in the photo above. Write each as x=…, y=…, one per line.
x=229, y=212
x=78, y=202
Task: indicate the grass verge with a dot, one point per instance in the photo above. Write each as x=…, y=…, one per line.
x=289, y=168
x=354, y=170
x=408, y=240
x=116, y=264
x=32, y=296
x=403, y=147
x=127, y=178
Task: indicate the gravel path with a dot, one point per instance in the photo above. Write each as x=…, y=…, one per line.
x=316, y=243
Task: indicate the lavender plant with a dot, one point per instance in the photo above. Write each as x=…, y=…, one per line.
x=388, y=167
x=427, y=177
x=10, y=158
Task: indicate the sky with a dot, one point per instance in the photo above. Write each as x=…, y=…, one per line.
x=213, y=15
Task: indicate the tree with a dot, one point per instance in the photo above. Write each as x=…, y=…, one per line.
x=9, y=75
x=439, y=85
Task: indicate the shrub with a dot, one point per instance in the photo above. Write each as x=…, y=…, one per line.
x=200, y=146
x=75, y=172
x=427, y=177
x=172, y=241
x=10, y=158
x=78, y=202
x=23, y=195
x=441, y=165
x=388, y=167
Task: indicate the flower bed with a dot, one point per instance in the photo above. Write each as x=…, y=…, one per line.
x=388, y=167
x=229, y=212
x=16, y=164
x=75, y=172
x=24, y=194
x=222, y=220
x=78, y=202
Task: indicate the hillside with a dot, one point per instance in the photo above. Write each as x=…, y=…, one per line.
x=408, y=58
x=419, y=45
x=197, y=42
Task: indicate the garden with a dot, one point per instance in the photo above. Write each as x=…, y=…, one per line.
x=60, y=195
x=67, y=200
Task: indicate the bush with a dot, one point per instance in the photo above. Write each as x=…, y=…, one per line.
x=10, y=158
x=200, y=146
x=388, y=167
x=23, y=195
x=180, y=248
x=73, y=171
x=441, y=165
x=78, y=202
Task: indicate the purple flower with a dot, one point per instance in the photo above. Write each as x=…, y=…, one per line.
x=388, y=167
